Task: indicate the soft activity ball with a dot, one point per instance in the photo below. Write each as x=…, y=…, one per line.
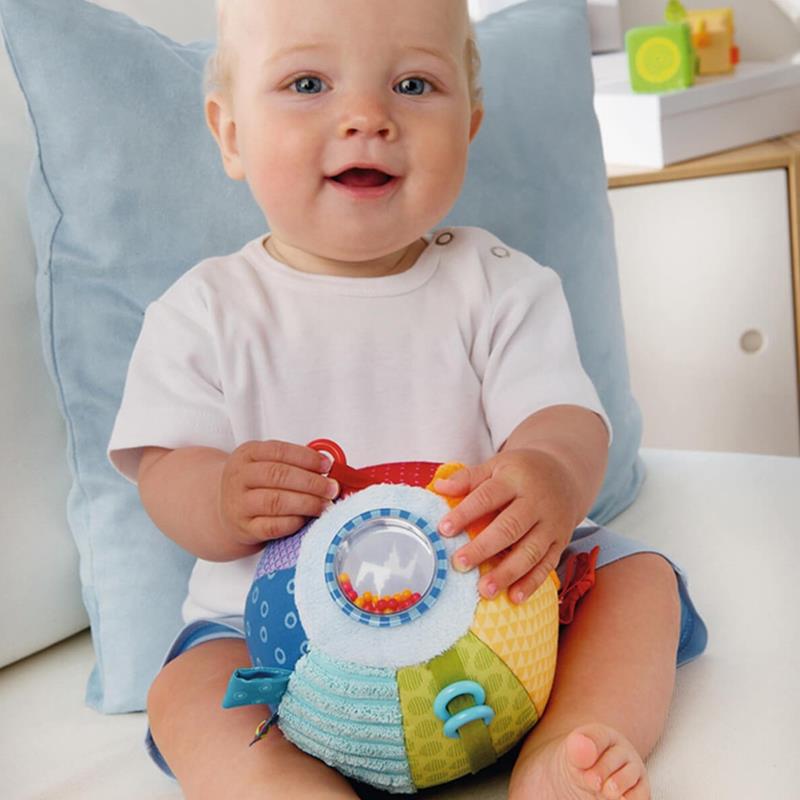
x=375, y=655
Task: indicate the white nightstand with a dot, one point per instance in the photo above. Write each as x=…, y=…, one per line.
x=709, y=260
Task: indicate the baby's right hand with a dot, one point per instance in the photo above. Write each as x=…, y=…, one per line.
x=269, y=489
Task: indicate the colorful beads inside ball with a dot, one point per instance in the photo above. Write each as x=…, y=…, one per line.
x=375, y=603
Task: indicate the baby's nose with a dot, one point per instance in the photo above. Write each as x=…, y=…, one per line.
x=367, y=116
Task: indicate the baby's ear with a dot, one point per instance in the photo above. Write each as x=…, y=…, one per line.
x=475, y=122
x=223, y=127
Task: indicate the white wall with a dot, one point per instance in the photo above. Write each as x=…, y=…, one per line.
x=763, y=31
x=169, y=16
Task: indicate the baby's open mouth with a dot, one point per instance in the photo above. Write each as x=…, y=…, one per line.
x=359, y=177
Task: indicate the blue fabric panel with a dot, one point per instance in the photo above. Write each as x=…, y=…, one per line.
x=275, y=635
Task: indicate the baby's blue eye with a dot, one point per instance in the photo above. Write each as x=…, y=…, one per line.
x=308, y=85
x=413, y=86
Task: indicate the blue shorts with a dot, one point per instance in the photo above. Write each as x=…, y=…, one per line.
x=613, y=547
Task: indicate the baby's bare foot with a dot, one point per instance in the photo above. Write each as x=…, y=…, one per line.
x=593, y=762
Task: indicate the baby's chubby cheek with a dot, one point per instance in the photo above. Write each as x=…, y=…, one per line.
x=278, y=189
x=434, y=188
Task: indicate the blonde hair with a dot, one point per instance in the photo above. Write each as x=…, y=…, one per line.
x=218, y=75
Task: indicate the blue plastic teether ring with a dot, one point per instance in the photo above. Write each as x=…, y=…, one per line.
x=486, y=713
x=456, y=690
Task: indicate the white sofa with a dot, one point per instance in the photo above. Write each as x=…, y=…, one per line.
x=730, y=519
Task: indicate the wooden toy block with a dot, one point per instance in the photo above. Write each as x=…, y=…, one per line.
x=713, y=40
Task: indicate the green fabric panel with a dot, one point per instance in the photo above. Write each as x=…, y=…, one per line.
x=432, y=757
x=449, y=668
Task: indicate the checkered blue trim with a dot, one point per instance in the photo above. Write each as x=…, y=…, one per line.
x=410, y=614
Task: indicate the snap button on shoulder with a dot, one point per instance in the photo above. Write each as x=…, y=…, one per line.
x=444, y=238
x=500, y=252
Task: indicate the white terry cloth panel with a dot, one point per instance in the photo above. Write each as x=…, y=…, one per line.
x=341, y=637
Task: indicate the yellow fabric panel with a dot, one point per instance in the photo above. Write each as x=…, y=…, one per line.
x=525, y=636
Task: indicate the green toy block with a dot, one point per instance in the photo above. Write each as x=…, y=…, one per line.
x=661, y=58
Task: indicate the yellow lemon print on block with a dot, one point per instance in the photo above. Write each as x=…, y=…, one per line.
x=658, y=60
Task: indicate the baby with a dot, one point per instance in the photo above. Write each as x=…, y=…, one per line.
x=351, y=122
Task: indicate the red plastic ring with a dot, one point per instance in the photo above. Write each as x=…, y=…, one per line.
x=331, y=448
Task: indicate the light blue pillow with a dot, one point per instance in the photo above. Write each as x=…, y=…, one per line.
x=128, y=192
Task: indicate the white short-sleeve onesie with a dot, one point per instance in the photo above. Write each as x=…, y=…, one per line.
x=438, y=363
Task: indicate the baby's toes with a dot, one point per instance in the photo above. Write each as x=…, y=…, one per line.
x=628, y=782
x=611, y=760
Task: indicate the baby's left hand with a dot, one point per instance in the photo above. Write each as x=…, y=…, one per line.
x=540, y=509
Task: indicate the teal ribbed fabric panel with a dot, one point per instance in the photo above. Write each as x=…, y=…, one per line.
x=348, y=716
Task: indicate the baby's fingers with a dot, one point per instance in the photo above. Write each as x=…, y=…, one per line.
x=279, y=503
x=531, y=580
x=485, y=495
x=286, y=453
x=263, y=529
x=506, y=530
x=460, y=483
x=278, y=475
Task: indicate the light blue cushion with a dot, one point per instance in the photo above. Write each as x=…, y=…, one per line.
x=128, y=192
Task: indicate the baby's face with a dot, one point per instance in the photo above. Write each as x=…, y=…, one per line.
x=321, y=86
